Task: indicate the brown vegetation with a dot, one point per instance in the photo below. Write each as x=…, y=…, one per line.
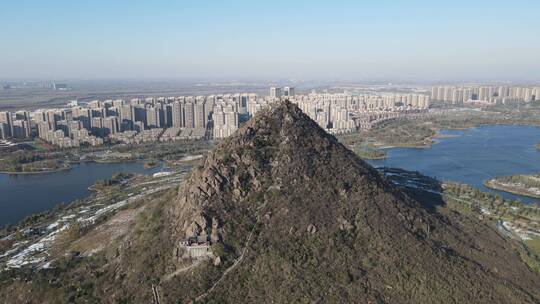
x=304, y=220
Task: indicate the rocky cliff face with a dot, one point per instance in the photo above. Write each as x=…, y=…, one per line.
x=281, y=150
x=281, y=212
x=292, y=209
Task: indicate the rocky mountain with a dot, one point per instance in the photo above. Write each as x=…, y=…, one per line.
x=282, y=212
x=300, y=218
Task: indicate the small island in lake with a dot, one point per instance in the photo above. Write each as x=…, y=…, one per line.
x=521, y=184
x=369, y=152
x=23, y=162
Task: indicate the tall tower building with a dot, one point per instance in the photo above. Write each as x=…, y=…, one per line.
x=189, y=117
x=288, y=91
x=448, y=93
x=199, y=117
x=242, y=103
x=153, y=119
x=177, y=115
x=6, y=120
x=435, y=93
x=275, y=92
x=127, y=115
x=110, y=125
x=440, y=93
x=537, y=93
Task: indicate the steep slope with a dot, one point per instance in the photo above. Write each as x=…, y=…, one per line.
x=295, y=216
x=281, y=212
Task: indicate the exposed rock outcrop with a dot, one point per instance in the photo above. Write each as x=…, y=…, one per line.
x=305, y=213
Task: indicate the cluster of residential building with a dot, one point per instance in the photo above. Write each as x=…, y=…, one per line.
x=195, y=117
x=14, y=125
x=134, y=121
x=485, y=94
x=343, y=113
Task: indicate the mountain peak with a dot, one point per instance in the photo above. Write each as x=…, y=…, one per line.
x=282, y=119
x=281, y=148
x=284, y=206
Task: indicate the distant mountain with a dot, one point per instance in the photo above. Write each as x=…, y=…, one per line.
x=282, y=212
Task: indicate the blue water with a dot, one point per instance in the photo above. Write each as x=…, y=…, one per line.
x=474, y=156
x=23, y=195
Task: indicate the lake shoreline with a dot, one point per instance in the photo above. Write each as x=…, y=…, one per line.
x=473, y=155
x=499, y=187
x=26, y=194
x=429, y=141
x=71, y=165
x=67, y=168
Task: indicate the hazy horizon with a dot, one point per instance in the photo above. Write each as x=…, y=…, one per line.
x=418, y=41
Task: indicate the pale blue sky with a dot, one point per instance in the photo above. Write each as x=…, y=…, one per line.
x=329, y=40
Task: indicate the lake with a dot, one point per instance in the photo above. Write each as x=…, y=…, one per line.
x=473, y=156
x=23, y=195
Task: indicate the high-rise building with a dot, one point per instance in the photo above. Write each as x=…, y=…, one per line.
x=448, y=93
x=167, y=115
x=189, y=114
x=457, y=96
x=209, y=105
x=6, y=120
x=2, y=132
x=177, y=114
x=43, y=129
x=537, y=93
x=153, y=119
x=483, y=93
x=63, y=125
x=110, y=125
x=21, y=128
x=140, y=114
x=225, y=119
x=94, y=104
x=440, y=93
x=242, y=103
x=275, y=92
x=127, y=115
x=435, y=93
x=118, y=103
x=97, y=125
x=74, y=126
x=288, y=91
x=199, y=116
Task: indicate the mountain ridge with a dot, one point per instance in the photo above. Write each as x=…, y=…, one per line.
x=280, y=153
x=282, y=212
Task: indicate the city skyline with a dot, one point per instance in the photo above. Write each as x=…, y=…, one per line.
x=416, y=41
x=198, y=117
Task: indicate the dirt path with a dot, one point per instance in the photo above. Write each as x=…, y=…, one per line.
x=156, y=294
x=236, y=262
x=179, y=271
